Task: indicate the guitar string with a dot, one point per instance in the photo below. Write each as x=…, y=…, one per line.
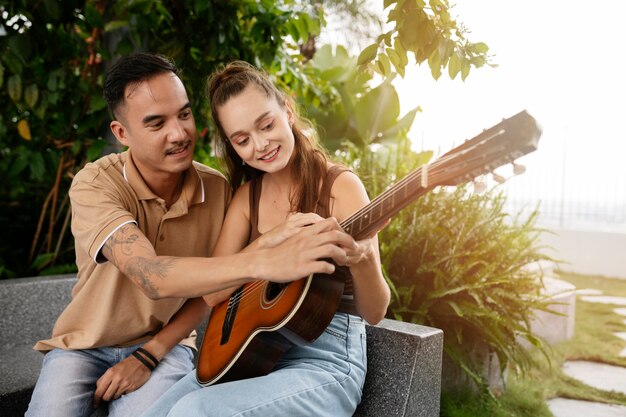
x=381, y=198
x=248, y=289
x=415, y=175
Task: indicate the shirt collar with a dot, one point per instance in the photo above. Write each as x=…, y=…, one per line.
x=193, y=185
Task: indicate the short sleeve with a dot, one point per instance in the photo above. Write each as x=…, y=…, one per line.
x=100, y=206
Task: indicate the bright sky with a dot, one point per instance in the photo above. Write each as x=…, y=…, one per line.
x=561, y=60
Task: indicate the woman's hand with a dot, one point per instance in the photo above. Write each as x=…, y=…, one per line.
x=294, y=223
x=364, y=250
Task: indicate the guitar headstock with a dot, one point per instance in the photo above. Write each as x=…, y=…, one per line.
x=499, y=145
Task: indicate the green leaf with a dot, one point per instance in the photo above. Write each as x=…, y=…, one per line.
x=434, y=62
x=13, y=62
x=115, y=24
x=402, y=52
x=376, y=111
x=454, y=66
x=479, y=48
x=93, y=17
x=20, y=163
x=1, y=74
x=384, y=62
x=21, y=46
x=96, y=103
x=465, y=69
x=124, y=47
x=53, y=80
x=42, y=261
x=31, y=95
x=368, y=54
x=394, y=57
x=402, y=126
x=14, y=87
x=37, y=166
x=456, y=308
x=41, y=109
x=95, y=149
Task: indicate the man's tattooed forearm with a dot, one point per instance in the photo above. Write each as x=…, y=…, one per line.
x=144, y=271
x=123, y=249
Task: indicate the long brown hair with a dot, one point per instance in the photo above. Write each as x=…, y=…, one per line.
x=309, y=159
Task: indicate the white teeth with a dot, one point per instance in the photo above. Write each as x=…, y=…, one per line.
x=271, y=155
x=179, y=150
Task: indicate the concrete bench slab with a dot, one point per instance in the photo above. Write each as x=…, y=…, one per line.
x=404, y=359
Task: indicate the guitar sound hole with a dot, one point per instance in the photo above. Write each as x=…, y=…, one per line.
x=273, y=290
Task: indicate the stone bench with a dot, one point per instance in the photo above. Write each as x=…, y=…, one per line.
x=404, y=360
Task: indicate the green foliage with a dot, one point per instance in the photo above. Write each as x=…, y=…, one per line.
x=53, y=117
x=361, y=114
x=458, y=262
x=429, y=33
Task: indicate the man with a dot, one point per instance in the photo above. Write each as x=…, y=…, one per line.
x=145, y=222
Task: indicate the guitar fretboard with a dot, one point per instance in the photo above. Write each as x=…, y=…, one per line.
x=368, y=219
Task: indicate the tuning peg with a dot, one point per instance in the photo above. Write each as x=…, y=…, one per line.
x=479, y=186
x=518, y=169
x=498, y=178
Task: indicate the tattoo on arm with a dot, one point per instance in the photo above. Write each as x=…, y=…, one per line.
x=143, y=271
x=140, y=269
x=122, y=241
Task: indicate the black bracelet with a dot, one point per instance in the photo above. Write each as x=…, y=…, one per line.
x=148, y=355
x=143, y=360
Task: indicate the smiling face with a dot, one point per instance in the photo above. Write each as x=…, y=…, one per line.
x=157, y=124
x=259, y=129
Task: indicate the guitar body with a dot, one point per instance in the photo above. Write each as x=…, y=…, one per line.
x=247, y=334
x=246, y=339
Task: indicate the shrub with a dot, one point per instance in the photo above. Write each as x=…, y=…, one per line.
x=457, y=261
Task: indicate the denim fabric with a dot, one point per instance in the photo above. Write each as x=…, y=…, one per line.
x=68, y=380
x=324, y=378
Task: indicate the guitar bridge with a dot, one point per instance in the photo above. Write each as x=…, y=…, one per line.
x=231, y=312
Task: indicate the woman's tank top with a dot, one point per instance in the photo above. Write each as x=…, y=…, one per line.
x=323, y=209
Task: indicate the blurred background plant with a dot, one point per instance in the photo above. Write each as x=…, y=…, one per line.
x=53, y=118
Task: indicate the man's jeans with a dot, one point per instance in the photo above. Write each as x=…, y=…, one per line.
x=68, y=378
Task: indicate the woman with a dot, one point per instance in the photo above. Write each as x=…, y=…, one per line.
x=288, y=184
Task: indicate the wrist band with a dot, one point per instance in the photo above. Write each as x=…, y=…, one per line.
x=148, y=355
x=143, y=360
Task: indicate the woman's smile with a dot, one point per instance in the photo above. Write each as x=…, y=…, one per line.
x=270, y=156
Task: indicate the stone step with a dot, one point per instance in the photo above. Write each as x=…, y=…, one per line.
x=557, y=325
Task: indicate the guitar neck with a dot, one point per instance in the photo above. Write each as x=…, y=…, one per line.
x=501, y=144
x=370, y=218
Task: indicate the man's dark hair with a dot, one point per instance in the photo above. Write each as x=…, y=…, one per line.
x=133, y=69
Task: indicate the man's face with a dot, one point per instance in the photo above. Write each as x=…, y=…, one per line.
x=157, y=124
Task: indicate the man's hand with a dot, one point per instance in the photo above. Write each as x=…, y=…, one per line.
x=307, y=252
x=124, y=377
x=295, y=223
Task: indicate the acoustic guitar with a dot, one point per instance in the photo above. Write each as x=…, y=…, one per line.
x=248, y=333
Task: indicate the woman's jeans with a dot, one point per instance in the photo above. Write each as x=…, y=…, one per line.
x=324, y=378
x=68, y=378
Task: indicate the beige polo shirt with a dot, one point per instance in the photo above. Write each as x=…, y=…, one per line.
x=107, y=309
